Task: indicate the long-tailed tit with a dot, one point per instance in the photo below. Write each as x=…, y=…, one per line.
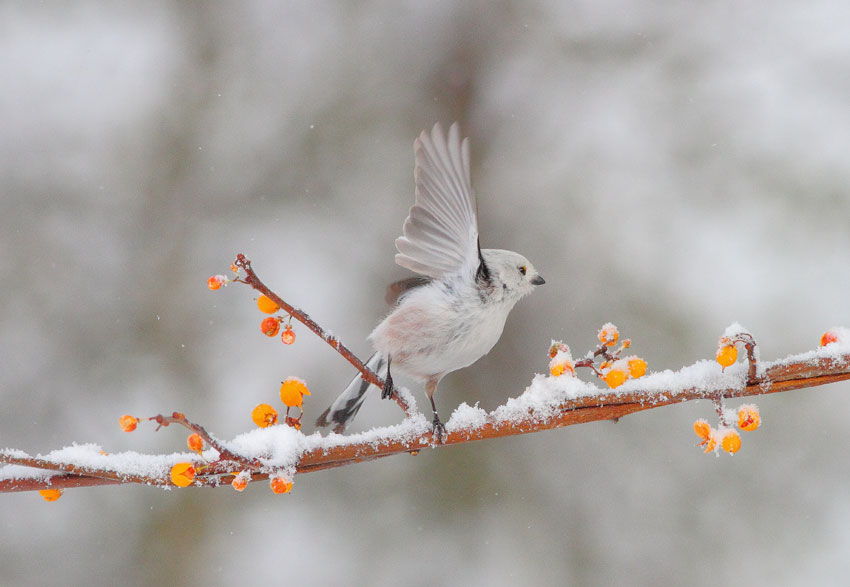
x=453, y=313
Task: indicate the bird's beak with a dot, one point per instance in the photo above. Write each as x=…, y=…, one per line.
x=537, y=280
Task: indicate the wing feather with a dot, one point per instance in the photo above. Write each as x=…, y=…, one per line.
x=440, y=234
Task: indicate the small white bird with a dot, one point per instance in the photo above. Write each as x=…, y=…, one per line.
x=453, y=313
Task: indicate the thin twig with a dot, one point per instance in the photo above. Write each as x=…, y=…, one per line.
x=224, y=453
x=251, y=279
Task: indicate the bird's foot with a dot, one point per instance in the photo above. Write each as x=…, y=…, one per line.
x=439, y=429
x=388, y=390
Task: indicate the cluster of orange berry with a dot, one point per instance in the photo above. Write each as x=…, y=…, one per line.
x=560, y=360
x=271, y=325
x=292, y=392
x=614, y=369
x=183, y=474
x=724, y=436
x=279, y=483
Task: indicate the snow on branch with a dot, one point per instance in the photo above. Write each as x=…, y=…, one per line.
x=278, y=452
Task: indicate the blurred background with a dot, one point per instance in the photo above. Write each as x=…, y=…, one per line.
x=671, y=168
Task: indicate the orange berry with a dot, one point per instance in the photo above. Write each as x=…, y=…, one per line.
x=50, y=494
x=637, y=367
x=292, y=392
x=266, y=305
x=727, y=355
x=615, y=378
x=828, y=337
x=240, y=482
x=609, y=334
x=748, y=417
x=280, y=485
x=195, y=442
x=731, y=441
x=287, y=336
x=702, y=429
x=561, y=367
x=264, y=415
x=128, y=423
x=216, y=281
x=182, y=474
x=234, y=268
x=710, y=443
x=270, y=326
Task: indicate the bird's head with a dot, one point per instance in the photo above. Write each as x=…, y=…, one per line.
x=512, y=275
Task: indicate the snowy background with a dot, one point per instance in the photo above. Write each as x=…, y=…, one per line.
x=668, y=167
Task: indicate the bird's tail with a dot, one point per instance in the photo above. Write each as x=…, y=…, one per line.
x=345, y=407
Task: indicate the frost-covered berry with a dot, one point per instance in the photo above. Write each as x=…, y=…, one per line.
x=637, y=367
x=561, y=360
x=730, y=441
x=608, y=334
x=710, y=442
x=216, y=281
x=830, y=336
x=615, y=378
x=748, y=417
x=280, y=485
x=287, y=336
x=240, y=482
x=702, y=429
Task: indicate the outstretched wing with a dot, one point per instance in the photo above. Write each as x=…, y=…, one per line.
x=441, y=231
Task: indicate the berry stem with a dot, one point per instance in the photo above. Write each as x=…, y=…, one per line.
x=719, y=407
x=750, y=344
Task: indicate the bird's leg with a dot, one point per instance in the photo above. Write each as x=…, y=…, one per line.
x=439, y=428
x=387, y=391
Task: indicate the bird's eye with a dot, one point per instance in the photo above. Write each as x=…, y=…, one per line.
x=522, y=269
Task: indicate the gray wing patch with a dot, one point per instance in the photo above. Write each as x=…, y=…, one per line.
x=401, y=287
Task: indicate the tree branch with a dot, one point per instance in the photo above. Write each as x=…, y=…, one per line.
x=793, y=373
x=281, y=451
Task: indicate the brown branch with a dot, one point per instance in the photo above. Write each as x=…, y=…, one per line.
x=784, y=377
x=251, y=279
x=225, y=454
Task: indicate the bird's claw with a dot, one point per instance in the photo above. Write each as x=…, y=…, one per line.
x=388, y=391
x=439, y=429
